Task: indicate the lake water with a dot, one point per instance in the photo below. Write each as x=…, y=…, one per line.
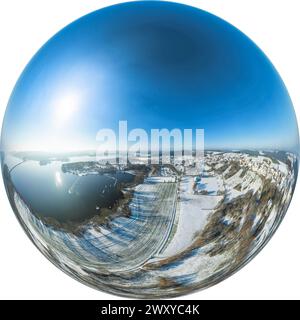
x=50, y=192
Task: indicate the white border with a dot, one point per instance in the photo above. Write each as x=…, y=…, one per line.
x=25, y=25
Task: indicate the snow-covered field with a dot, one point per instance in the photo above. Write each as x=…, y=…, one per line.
x=193, y=211
x=185, y=230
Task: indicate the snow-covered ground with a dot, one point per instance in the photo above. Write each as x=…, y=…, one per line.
x=132, y=254
x=197, y=267
x=192, y=216
x=250, y=181
x=213, y=185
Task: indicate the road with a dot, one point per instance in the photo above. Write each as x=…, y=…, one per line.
x=127, y=242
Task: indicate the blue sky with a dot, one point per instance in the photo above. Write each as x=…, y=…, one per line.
x=156, y=65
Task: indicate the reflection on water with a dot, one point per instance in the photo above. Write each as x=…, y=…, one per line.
x=53, y=193
x=181, y=232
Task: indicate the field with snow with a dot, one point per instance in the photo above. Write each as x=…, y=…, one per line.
x=186, y=229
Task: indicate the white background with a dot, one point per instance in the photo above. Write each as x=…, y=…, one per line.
x=26, y=25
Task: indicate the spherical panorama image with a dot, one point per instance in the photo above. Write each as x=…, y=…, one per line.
x=149, y=149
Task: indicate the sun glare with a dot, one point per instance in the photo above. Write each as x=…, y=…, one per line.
x=58, y=179
x=65, y=107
